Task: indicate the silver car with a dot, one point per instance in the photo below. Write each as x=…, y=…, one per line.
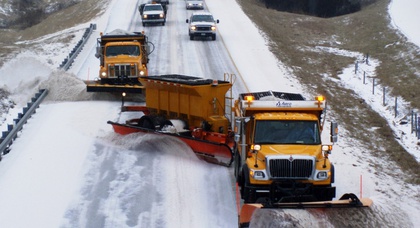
x=194, y=4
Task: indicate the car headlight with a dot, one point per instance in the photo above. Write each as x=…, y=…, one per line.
x=145, y=16
x=193, y=28
x=213, y=28
x=161, y=15
x=258, y=174
x=322, y=175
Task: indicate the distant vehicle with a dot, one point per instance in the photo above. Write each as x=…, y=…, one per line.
x=141, y=7
x=152, y=13
x=202, y=24
x=163, y=2
x=194, y=4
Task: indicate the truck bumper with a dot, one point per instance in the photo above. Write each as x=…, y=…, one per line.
x=288, y=192
x=202, y=33
x=153, y=21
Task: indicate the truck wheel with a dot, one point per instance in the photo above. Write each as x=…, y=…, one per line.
x=144, y=24
x=237, y=165
x=213, y=37
x=146, y=122
x=151, y=122
x=163, y=23
x=246, y=195
x=191, y=37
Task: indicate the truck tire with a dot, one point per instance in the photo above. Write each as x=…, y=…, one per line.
x=151, y=122
x=246, y=194
x=213, y=37
x=237, y=165
x=144, y=24
x=191, y=37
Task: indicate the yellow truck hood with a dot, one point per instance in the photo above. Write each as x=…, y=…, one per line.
x=290, y=149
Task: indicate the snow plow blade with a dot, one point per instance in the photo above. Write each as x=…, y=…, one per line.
x=212, y=152
x=348, y=200
x=96, y=86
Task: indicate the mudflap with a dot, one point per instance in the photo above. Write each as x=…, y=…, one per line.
x=212, y=152
x=247, y=211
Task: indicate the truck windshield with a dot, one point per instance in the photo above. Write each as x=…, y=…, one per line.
x=287, y=132
x=207, y=18
x=123, y=50
x=153, y=8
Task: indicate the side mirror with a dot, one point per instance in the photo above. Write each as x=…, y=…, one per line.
x=187, y=20
x=334, y=132
x=98, y=53
x=217, y=21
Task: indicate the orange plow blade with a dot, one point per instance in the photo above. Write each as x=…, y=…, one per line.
x=212, y=152
x=348, y=200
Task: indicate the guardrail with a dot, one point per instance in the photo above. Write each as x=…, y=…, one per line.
x=10, y=135
x=413, y=117
x=66, y=64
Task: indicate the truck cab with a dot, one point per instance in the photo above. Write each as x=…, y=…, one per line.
x=281, y=157
x=123, y=57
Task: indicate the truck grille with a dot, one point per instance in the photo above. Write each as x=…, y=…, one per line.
x=286, y=168
x=123, y=70
x=203, y=28
x=153, y=16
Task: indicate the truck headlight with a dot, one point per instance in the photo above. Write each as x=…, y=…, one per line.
x=103, y=74
x=213, y=28
x=322, y=175
x=258, y=174
x=161, y=15
x=193, y=27
x=145, y=16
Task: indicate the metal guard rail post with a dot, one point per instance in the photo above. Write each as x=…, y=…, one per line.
x=65, y=65
x=9, y=136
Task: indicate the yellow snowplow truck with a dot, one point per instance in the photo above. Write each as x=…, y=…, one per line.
x=123, y=59
x=280, y=155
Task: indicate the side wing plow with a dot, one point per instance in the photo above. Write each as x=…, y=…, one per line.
x=348, y=200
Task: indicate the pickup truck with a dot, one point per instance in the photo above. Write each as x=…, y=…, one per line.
x=202, y=24
x=152, y=13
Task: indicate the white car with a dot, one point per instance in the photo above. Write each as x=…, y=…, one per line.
x=202, y=24
x=153, y=13
x=194, y=4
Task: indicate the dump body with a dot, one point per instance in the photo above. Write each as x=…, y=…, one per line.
x=123, y=59
x=189, y=108
x=199, y=102
x=281, y=157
